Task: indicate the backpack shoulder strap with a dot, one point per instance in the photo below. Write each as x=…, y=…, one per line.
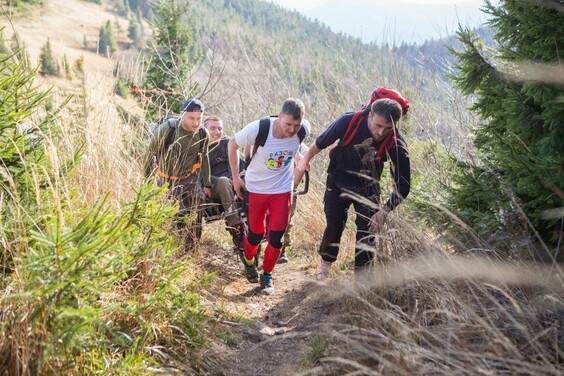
x=203, y=134
x=262, y=135
x=172, y=130
x=387, y=144
x=301, y=134
x=353, y=126
x=264, y=127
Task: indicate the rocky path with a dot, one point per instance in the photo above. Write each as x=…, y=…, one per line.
x=278, y=338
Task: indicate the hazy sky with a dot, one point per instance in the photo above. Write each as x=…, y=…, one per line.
x=308, y=4
x=392, y=20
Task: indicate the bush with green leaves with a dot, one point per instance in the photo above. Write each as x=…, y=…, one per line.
x=87, y=286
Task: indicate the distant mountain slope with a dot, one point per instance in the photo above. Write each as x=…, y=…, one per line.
x=325, y=65
x=392, y=22
x=67, y=23
x=255, y=54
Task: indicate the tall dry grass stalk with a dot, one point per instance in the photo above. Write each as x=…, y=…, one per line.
x=424, y=310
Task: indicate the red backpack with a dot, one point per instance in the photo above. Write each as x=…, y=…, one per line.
x=386, y=92
x=358, y=117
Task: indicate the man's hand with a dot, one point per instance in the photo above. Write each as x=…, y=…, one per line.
x=302, y=164
x=207, y=191
x=378, y=219
x=298, y=173
x=238, y=186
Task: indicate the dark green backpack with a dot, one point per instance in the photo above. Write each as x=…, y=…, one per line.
x=173, y=120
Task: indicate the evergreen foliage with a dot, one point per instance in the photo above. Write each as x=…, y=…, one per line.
x=168, y=72
x=107, y=42
x=48, y=65
x=122, y=87
x=87, y=287
x=522, y=131
x=142, y=7
x=18, y=3
x=20, y=99
x=79, y=65
x=315, y=60
x=135, y=32
x=67, y=68
x=122, y=8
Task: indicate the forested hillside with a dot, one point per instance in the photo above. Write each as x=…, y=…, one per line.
x=266, y=43
x=94, y=275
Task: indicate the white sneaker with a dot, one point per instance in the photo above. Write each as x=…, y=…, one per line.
x=322, y=270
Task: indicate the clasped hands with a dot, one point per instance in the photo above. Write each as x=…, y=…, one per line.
x=377, y=221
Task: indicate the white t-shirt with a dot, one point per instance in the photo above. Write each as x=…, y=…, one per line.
x=272, y=168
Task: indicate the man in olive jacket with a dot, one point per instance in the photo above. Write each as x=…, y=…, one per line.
x=181, y=159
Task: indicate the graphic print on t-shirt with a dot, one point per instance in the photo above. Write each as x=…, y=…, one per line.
x=279, y=160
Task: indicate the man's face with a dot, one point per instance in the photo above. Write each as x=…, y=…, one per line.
x=191, y=121
x=379, y=126
x=215, y=129
x=289, y=125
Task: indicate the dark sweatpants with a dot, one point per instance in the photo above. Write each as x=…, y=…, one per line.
x=189, y=195
x=336, y=208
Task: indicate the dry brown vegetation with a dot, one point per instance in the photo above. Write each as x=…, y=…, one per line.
x=424, y=310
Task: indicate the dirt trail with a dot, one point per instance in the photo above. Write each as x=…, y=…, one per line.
x=283, y=326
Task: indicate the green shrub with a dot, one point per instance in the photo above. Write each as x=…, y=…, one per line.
x=107, y=42
x=87, y=287
x=48, y=65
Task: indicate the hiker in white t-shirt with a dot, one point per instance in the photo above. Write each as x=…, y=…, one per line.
x=269, y=181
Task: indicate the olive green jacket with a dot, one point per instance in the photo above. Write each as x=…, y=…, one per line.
x=187, y=154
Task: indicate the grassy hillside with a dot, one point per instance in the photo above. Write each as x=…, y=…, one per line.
x=92, y=283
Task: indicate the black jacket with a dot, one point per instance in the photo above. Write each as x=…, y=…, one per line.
x=357, y=168
x=219, y=160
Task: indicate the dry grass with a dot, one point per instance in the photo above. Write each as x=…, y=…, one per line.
x=422, y=312
x=425, y=311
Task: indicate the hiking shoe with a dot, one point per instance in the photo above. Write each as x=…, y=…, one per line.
x=283, y=258
x=266, y=285
x=251, y=273
x=322, y=270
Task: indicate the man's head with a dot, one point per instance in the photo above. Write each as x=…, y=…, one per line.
x=291, y=116
x=384, y=115
x=214, y=125
x=192, y=113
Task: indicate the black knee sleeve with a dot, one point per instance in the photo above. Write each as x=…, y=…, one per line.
x=254, y=238
x=275, y=238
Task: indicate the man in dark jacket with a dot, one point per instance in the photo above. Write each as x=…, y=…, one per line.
x=354, y=175
x=221, y=179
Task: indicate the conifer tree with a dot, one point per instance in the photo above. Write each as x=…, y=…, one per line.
x=67, y=68
x=169, y=67
x=106, y=40
x=122, y=7
x=48, y=65
x=521, y=136
x=135, y=32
